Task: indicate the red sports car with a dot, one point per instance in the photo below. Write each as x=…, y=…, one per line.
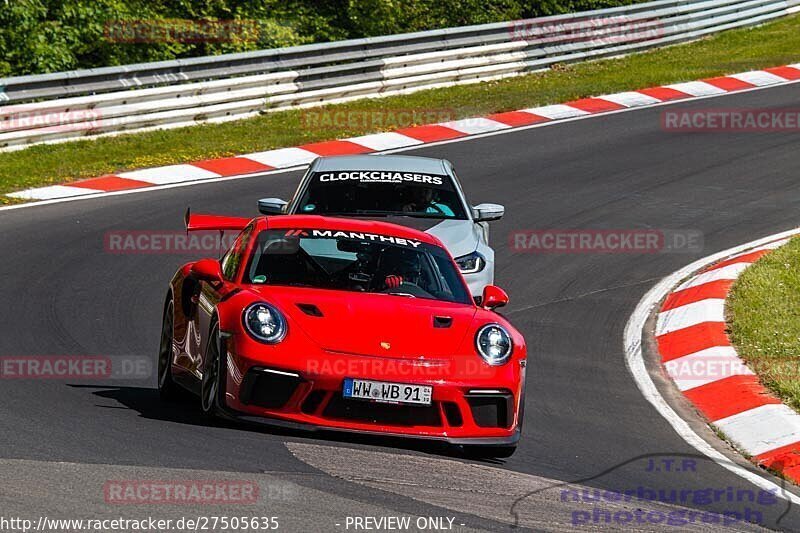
x=324, y=323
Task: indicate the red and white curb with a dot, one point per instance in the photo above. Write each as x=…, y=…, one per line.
x=699, y=358
x=412, y=136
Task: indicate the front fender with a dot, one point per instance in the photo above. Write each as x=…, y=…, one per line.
x=230, y=307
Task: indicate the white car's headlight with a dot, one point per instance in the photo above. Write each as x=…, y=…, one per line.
x=494, y=344
x=471, y=263
x=264, y=322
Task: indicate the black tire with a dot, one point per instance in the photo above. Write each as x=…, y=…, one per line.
x=168, y=390
x=212, y=388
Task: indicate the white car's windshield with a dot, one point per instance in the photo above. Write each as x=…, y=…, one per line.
x=381, y=193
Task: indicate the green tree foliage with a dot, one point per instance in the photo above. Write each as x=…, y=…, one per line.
x=383, y=17
x=39, y=36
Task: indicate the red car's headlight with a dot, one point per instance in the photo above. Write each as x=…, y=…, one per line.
x=264, y=323
x=494, y=344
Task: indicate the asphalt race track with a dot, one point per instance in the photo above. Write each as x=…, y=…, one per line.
x=586, y=422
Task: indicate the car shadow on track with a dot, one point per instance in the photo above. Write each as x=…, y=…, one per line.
x=186, y=410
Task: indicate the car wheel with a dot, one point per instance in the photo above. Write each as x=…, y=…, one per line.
x=168, y=390
x=212, y=388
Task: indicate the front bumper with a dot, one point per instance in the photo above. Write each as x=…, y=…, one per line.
x=472, y=403
x=510, y=440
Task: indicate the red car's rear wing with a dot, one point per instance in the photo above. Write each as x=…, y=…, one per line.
x=214, y=222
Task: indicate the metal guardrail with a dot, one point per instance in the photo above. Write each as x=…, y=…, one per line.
x=70, y=105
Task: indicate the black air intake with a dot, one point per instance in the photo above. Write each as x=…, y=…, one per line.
x=491, y=409
x=270, y=389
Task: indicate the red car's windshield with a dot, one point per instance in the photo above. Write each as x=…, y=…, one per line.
x=354, y=261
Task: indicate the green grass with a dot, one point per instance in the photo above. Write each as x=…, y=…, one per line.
x=773, y=44
x=763, y=312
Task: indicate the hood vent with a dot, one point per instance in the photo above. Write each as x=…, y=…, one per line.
x=310, y=309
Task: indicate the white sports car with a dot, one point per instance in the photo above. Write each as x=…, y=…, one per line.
x=420, y=192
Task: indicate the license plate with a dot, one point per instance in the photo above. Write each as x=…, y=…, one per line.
x=382, y=391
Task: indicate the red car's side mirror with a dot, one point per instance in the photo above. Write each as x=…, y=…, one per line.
x=207, y=270
x=493, y=297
